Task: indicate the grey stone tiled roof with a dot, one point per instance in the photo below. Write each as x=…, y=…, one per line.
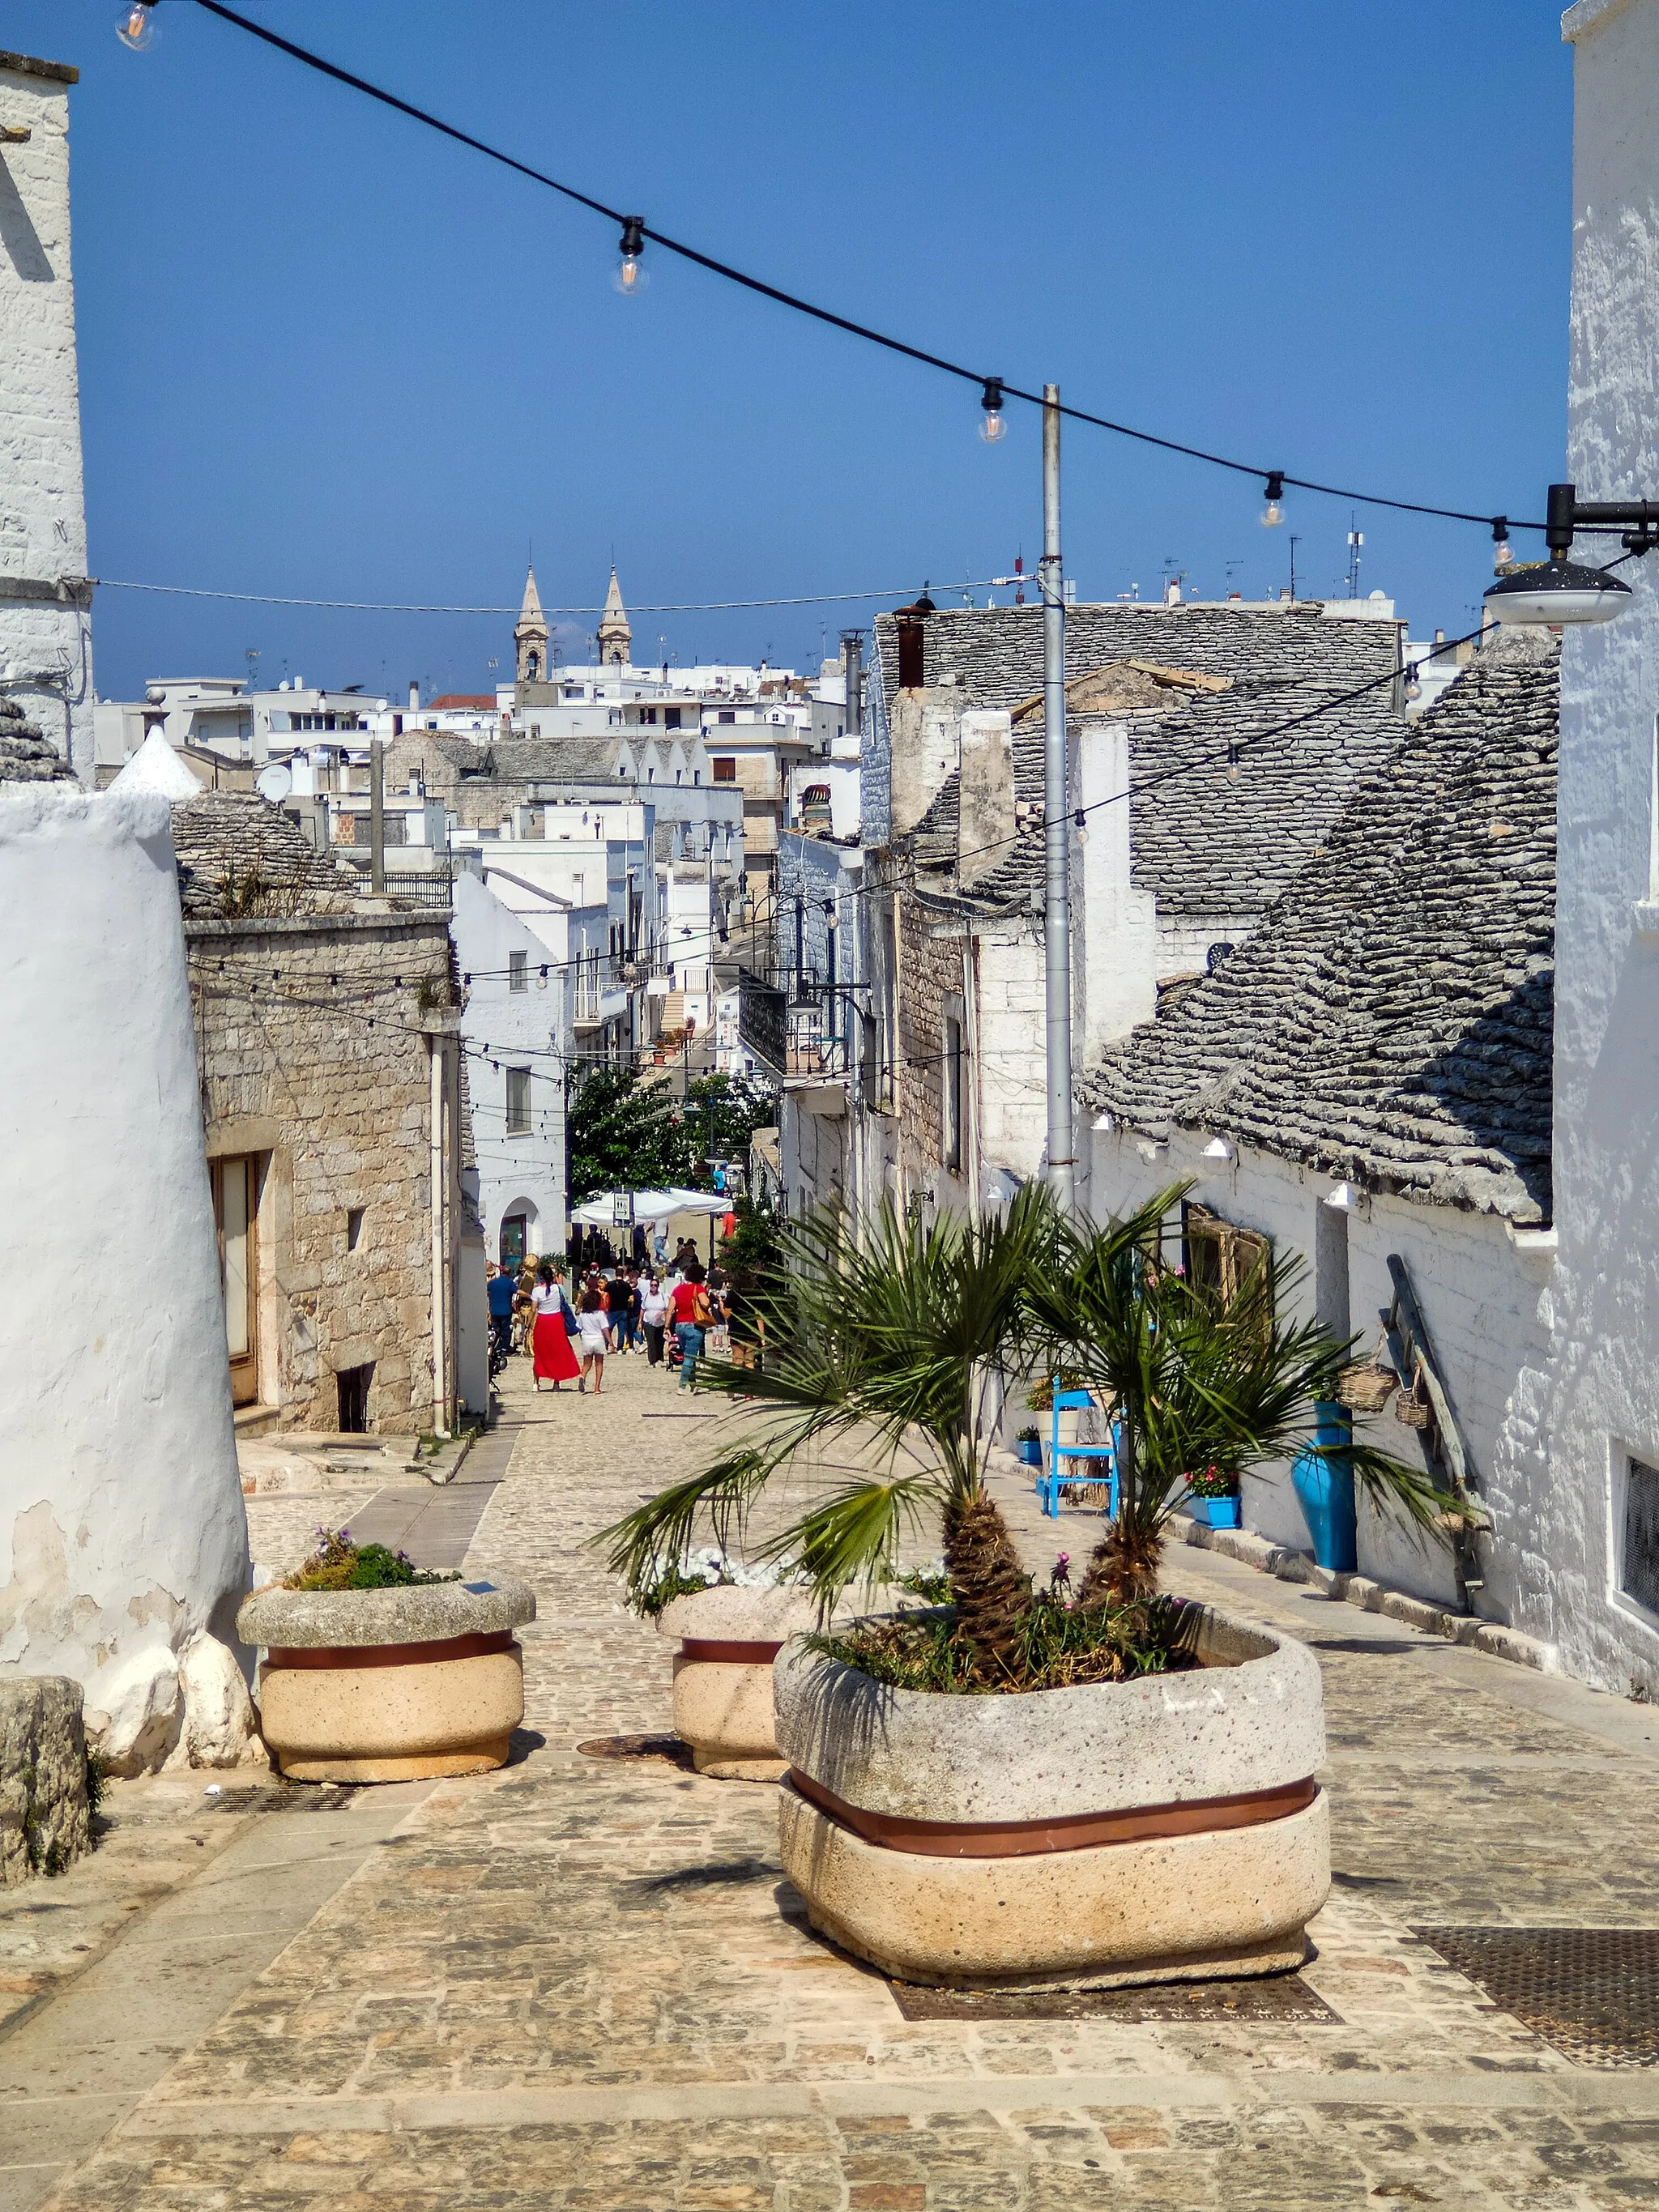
x=538, y=760
x=26, y=757
x=1390, y=1019
x=1212, y=834
x=239, y=854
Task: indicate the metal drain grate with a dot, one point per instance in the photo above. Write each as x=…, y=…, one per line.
x=1258, y=1997
x=283, y=1797
x=1591, y=1993
x=664, y=1750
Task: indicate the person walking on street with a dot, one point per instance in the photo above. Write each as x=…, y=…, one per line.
x=502, y=1290
x=692, y=1315
x=550, y=1341
x=654, y=1317
x=594, y=1322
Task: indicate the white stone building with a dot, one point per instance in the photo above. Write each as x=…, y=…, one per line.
x=517, y=1028
x=1365, y=1082
x=45, y=627
x=1584, y=1423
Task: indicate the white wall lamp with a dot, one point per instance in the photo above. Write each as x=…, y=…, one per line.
x=1102, y=1123
x=1218, y=1148
x=1345, y=1198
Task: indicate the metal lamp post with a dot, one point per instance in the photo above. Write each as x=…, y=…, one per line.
x=1056, y=810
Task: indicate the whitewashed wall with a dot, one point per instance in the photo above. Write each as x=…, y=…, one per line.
x=122, y=1536
x=1478, y=1294
x=527, y=1174
x=43, y=530
x=1595, y=1402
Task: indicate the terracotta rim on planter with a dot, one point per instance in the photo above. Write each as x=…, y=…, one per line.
x=388, y=1655
x=701, y=1648
x=962, y=1839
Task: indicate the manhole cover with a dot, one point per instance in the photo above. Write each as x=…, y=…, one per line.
x=1591, y=1993
x=1269, y=1996
x=664, y=1750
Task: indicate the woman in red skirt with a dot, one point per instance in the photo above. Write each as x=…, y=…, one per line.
x=550, y=1341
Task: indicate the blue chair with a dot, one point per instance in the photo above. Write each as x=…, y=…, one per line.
x=1055, y=1478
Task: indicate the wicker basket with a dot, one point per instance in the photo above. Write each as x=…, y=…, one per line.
x=1410, y=1411
x=1366, y=1389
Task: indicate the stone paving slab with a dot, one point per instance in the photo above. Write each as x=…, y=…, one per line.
x=583, y=1983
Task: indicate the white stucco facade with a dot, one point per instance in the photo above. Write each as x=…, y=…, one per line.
x=522, y=1171
x=1478, y=1288
x=123, y=1536
x=46, y=643
x=1592, y=1406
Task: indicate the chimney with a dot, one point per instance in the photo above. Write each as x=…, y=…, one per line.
x=925, y=738
x=414, y=696
x=852, y=669
x=985, y=801
x=909, y=654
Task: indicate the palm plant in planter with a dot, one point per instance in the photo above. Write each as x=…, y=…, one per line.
x=892, y=1339
x=946, y=1812
x=1200, y=1377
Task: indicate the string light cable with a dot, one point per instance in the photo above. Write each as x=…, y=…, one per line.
x=403, y=607
x=636, y=234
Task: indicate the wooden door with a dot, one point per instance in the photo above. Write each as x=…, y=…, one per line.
x=236, y=1212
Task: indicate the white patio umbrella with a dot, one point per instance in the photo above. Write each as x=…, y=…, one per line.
x=647, y=1205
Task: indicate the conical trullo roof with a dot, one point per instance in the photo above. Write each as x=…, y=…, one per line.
x=157, y=767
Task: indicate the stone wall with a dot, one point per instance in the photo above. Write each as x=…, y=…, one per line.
x=930, y=971
x=315, y=1053
x=46, y=1822
x=44, y=625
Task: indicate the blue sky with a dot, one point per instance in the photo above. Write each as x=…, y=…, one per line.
x=324, y=353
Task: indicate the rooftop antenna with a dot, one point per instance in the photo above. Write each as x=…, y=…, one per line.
x=1295, y=541
x=1019, y=571
x=1356, y=539
x=251, y=656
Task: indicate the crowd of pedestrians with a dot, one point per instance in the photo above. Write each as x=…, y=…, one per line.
x=570, y=1326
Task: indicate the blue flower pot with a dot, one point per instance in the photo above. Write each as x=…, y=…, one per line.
x=1030, y=1450
x=1214, y=1512
x=1324, y=1490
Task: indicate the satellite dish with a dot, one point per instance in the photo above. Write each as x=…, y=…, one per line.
x=274, y=783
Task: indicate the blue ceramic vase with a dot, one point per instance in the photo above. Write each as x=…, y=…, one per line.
x=1324, y=1490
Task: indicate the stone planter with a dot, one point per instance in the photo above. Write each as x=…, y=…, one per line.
x=390, y=1685
x=728, y=1637
x=1166, y=1829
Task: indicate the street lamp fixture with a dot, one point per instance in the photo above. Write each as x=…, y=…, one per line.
x=1560, y=590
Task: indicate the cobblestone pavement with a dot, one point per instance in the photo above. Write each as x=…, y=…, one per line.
x=583, y=1983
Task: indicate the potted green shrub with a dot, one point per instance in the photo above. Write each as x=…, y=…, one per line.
x=729, y=1622
x=1027, y=1445
x=376, y=1671
x=1022, y=1787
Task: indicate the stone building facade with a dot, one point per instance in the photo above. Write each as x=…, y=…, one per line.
x=46, y=628
x=326, y=1027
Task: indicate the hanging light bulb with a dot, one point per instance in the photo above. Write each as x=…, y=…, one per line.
x=1079, y=821
x=630, y=277
x=992, y=427
x=133, y=25
x=1273, y=515
x=1501, y=556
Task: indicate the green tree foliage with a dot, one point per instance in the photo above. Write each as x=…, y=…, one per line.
x=625, y=1133
x=722, y=1114
x=752, y=1257
x=620, y=1134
